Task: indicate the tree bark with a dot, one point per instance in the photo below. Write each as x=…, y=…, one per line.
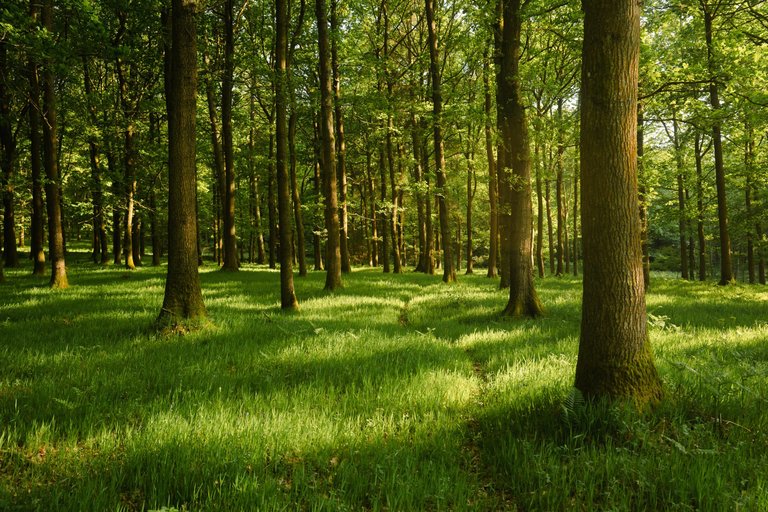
x=341, y=146
x=576, y=219
x=449, y=272
x=516, y=156
x=540, y=212
x=614, y=358
x=471, y=188
x=493, y=193
x=643, y=206
x=560, y=200
x=749, y=153
x=287, y=295
x=700, y=208
x=50, y=162
x=8, y=162
x=230, y=260
x=35, y=150
x=183, y=297
x=333, y=243
x=726, y=268
x=681, y=219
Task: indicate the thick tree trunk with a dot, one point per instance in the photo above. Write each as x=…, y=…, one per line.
x=230, y=260
x=35, y=155
x=493, y=193
x=183, y=297
x=50, y=162
x=614, y=358
x=449, y=272
x=287, y=295
x=516, y=156
x=726, y=269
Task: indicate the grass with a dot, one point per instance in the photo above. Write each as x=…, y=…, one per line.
x=396, y=393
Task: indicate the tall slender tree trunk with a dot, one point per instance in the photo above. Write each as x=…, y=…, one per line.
x=700, y=208
x=384, y=213
x=418, y=178
x=471, y=188
x=230, y=260
x=576, y=218
x=493, y=192
x=100, y=250
x=749, y=153
x=643, y=206
x=50, y=162
x=296, y=194
x=333, y=244
x=540, y=212
x=550, y=228
x=287, y=295
x=183, y=296
x=614, y=358
x=8, y=162
x=726, y=268
x=117, y=186
x=341, y=146
x=559, y=189
x=516, y=156
x=274, y=234
x=35, y=155
x=449, y=272
x=372, y=205
x=681, y=219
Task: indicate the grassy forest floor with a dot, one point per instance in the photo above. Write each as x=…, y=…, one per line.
x=397, y=393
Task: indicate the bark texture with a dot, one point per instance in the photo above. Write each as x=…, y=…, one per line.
x=614, y=358
x=183, y=296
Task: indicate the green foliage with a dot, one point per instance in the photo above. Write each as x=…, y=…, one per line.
x=397, y=393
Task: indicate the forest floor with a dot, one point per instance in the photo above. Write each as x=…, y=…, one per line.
x=396, y=393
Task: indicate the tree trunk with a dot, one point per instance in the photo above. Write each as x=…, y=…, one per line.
x=341, y=146
x=296, y=195
x=516, y=156
x=614, y=358
x=493, y=193
x=230, y=260
x=100, y=250
x=700, y=208
x=50, y=162
x=726, y=270
x=374, y=259
x=576, y=219
x=540, y=212
x=749, y=152
x=384, y=213
x=274, y=234
x=550, y=228
x=287, y=295
x=449, y=272
x=35, y=150
x=471, y=188
x=183, y=297
x=559, y=189
x=418, y=178
x=643, y=206
x=318, y=185
x=8, y=141
x=333, y=243
x=117, y=239
x=681, y=219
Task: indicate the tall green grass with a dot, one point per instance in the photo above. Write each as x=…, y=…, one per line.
x=396, y=393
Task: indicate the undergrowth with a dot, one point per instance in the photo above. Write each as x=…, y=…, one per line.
x=396, y=393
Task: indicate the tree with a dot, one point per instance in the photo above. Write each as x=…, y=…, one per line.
x=230, y=259
x=50, y=162
x=446, y=239
x=287, y=295
x=515, y=158
x=614, y=358
x=183, y=296
x=332, y=226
